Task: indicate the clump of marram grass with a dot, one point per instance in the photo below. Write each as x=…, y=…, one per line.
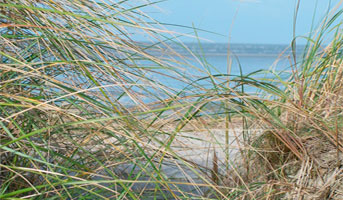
x=75, y=93
x=82, y=115
x=298, y=155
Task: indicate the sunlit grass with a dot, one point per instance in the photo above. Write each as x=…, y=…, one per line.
x=87, y=113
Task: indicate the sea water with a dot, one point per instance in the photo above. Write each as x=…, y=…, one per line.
x=253, y=60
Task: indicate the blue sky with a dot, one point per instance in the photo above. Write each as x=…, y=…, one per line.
x=257, y=21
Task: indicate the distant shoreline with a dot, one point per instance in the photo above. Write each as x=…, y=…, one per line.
x=246, y=50
x=241, y=54
x=225, y=54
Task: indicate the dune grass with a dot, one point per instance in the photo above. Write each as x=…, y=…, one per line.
x=86, y=112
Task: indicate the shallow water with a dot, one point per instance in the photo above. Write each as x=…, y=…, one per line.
x=218, y=64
